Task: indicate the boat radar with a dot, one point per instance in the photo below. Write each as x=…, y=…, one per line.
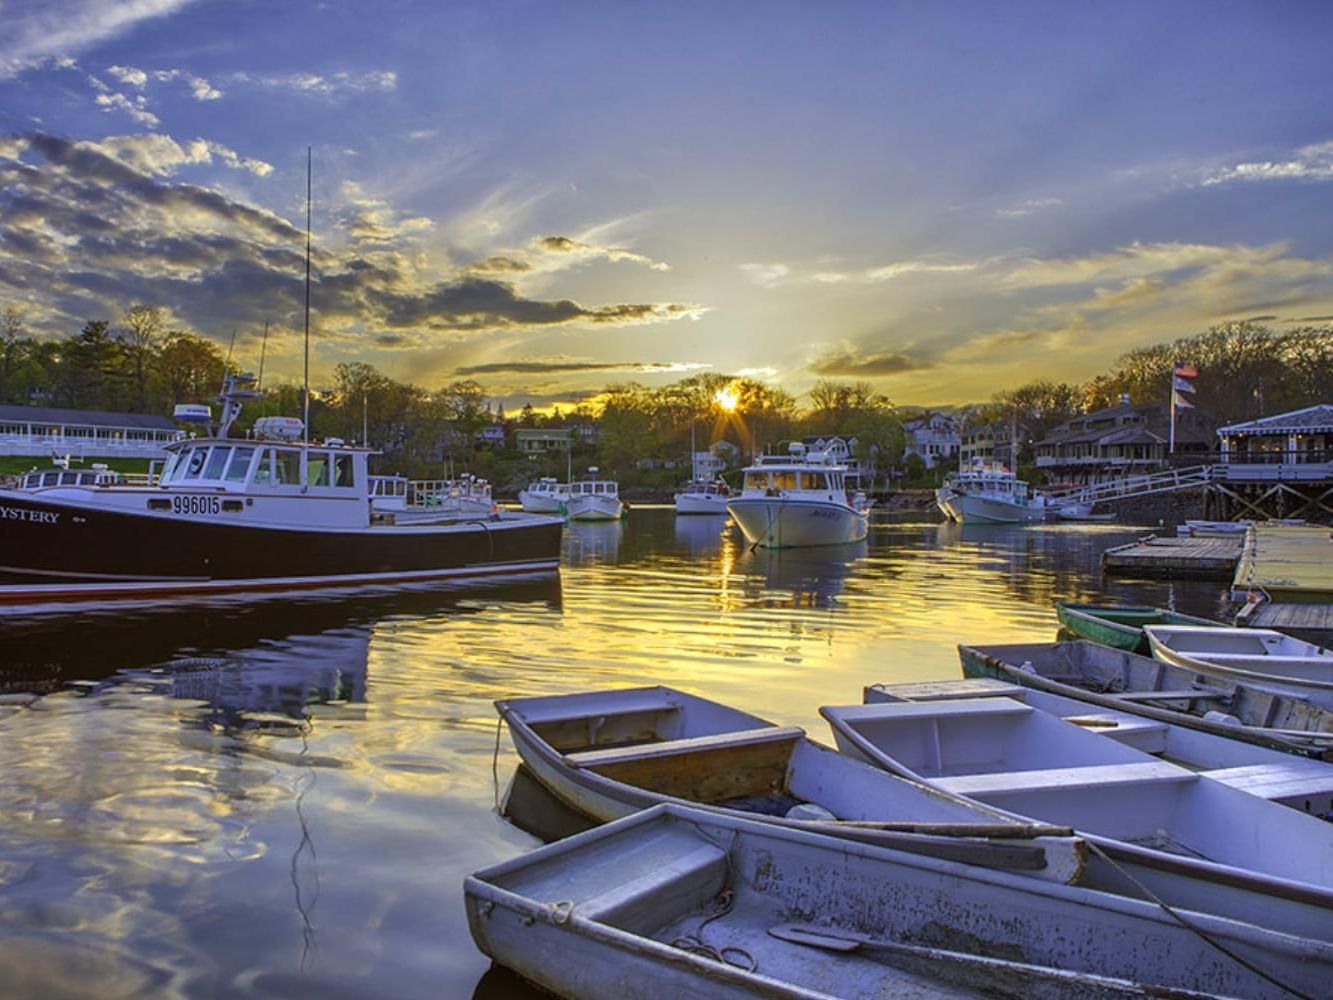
x=192, y=413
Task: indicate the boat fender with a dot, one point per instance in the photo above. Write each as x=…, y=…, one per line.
x=1221, y=718
x=1027, y=667
x=810, y=811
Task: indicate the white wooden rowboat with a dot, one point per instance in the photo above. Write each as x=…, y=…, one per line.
x=1117, y=680
x=676, y=902
x=1035, y=766
x=1256, y=656
x=606, y=754
x=1303, y=784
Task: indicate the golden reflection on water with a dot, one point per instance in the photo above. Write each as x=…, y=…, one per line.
x=263, y=798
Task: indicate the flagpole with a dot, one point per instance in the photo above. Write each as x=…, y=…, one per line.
x=1171, y=448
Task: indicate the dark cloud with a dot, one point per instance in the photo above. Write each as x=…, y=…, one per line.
x=1265, y=318
x=852, y=363
x=1313, y=319
x=89, y=233
x=560, y=244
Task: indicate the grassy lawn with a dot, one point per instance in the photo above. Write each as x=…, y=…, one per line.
x=16, y=464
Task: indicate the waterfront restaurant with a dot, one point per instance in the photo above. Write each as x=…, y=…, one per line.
x=45, y=431
x=1301, y=437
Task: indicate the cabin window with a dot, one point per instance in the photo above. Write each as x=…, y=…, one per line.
x=317, y=468
x=344, y=470
x=194, y=463
x=240, y=464
x=814, y=480
x=785, y=480
x=756, y=480
x=286, y=466
x=217, y=462
x=169, y=466
x=264, y=468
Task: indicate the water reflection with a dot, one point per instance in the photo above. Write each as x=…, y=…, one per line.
x=813, y=577
x=701, y=534
x=588, y=543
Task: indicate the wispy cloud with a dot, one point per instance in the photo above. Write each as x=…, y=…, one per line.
x=161, y=155
x=549, y=366
x=1028, y=207
x=564, y=246
x=136, y=107
x=1309, y=163
x=777, y=274
x=59, y=29
x=337, y=85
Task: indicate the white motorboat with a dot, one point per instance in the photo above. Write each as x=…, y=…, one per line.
x=988, y=494
x=594, y=499
x=402, y=500
x=1269, y=773
x=675, y=902
x=703, y=496
x=546, y=495
x=1037, y=767
x=1256, y=656
x=606, y=754
x=800, y=499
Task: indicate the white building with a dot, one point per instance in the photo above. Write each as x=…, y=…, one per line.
x=45, y=431
x=934, y=437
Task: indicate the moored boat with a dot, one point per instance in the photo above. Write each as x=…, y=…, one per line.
x=703, y=496
x=1257, y=656
x=546, y=495
x=678, y=902
x=1119, y=625
x=797, y=500
x=1041, y=768
x=988, y=494
x=231, y=514
x=594, y=499
x=1121, y=681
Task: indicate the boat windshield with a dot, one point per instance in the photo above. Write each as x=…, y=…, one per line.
x=756, y=480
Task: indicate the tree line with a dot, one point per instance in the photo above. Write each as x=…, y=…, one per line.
x=141, y=364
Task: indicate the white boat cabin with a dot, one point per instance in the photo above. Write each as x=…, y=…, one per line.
x=800, y=472
x=594, y=487
x=271, y=467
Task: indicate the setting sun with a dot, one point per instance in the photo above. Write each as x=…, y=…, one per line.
x=727, y=398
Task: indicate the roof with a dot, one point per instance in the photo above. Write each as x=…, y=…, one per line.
x=87, y=418
x=1311, y=420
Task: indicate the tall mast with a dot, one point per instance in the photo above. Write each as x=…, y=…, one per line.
x=306, y=393
x=263, y=350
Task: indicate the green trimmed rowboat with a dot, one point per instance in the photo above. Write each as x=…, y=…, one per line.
x=1120, y=625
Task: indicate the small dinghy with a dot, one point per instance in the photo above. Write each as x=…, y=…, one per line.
x=1271, y=774
x=1039, y=768
x=1125, y=682
x=676, y=902
x=1119, y=625
x=606, y=754
x=1257, y=656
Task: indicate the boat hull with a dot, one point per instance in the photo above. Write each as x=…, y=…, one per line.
x=976, y=509
x=779, y=522
x=594, y=508
x=700, y=503
x=1295, y=668
x=540, y=503
x=69, y=546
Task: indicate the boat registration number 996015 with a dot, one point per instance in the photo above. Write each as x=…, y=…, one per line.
x=196, y=505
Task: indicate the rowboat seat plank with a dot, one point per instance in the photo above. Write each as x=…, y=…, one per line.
x=693, y=744
x=1175, y=695
x=1065, y=778
x=625, y=703
x=972, y=687
x=1297, y=779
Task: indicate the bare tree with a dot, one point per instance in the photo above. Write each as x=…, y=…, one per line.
x=11, y=328
x=141, y=327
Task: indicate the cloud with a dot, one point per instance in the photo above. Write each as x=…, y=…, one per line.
x=135, y=107
x=161, y=155
x=1028, y=207
x=129, y=76
x=87, y=228
x=61, y=28
x=1134, y=261
x=563, y=245
x=339, y=85
x=200, y=89
x=1309, y=163
x=850, y=361
x=774, y=274
x=373, y=222
x=561, y=366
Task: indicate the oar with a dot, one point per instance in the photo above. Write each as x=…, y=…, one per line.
x=975, y=969
x=950, y=843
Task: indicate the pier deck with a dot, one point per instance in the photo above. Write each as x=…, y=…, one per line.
x=1206, y=558
x=1287, y=563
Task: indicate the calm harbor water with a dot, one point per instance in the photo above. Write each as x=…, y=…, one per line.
x=281, y=797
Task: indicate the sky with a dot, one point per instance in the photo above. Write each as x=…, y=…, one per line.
x=946, y=200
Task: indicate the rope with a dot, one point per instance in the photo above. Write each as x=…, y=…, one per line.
x=695, y=944
x=1189, y=925
x=495, y=763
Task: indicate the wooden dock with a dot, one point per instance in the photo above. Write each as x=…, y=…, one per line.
x=1286, y=564
x=1174, y=557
